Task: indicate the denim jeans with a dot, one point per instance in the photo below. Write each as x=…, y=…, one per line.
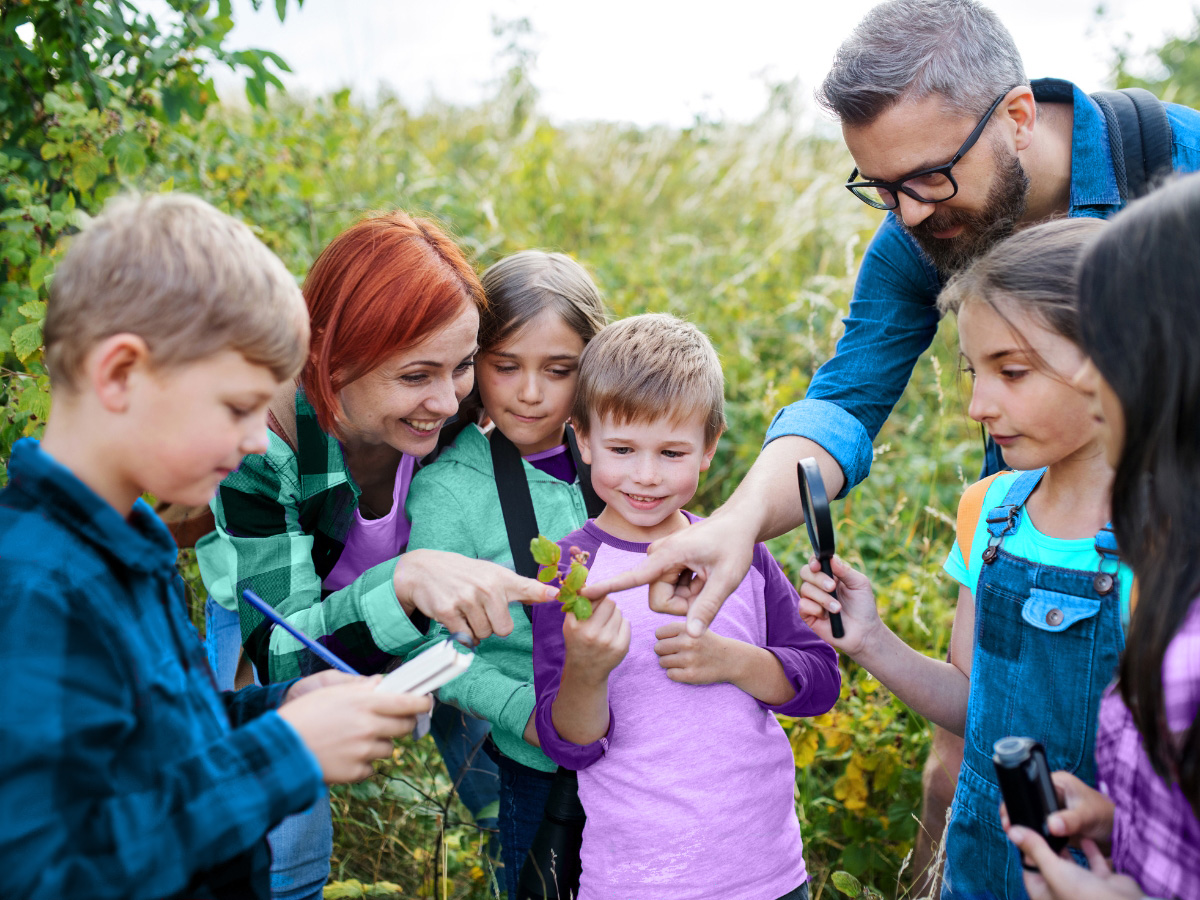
x=800, y=893
x=523, y=793
x=302, y=843
x=460, y=738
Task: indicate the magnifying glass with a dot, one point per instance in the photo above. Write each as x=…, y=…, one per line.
x=819, y=523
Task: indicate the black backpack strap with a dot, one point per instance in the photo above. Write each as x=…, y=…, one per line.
x=516, y=504
x=1139, y=136
x=591, y=501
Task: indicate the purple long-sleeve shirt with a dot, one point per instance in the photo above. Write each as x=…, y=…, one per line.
x=689, y=778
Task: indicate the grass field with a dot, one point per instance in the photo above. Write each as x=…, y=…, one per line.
x=744, y=230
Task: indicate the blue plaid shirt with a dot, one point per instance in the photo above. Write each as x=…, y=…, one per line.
x=893, y=313
x=124, y=773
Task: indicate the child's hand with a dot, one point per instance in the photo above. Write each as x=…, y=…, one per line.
x=1086, y=813
x=349, y=724
x=596, y=645
x=707, y=659
x=855, y=601
x=1061, y=878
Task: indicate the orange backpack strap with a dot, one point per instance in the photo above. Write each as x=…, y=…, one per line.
x=970, y=508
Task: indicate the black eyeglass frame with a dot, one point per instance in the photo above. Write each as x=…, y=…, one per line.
x=895, y=187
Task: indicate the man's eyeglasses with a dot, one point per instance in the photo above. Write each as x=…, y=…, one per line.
x=928, y=185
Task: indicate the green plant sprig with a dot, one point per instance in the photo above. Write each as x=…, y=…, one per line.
x=547, y=555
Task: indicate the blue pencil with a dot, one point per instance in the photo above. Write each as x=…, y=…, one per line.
x=267, y=610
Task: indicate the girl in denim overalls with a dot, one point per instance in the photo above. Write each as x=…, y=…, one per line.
x=1037, y=631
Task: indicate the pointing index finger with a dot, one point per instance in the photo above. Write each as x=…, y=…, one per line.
x=650, y=570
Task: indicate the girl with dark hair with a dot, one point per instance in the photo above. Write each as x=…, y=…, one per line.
x=1140, y=312
x=542, y=309
x=317, y=525
x=1037, y=630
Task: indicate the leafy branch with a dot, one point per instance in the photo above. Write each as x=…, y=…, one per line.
x=571, y=577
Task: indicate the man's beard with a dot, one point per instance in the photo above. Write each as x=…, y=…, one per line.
x=982, y=230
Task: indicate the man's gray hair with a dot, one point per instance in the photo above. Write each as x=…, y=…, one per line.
x=911, y=49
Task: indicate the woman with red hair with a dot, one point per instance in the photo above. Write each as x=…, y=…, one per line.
x=316, y=525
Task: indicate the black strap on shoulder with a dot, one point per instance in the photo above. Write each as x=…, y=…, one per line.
x=520, y=520
x=1139, y=136
x=591, y=501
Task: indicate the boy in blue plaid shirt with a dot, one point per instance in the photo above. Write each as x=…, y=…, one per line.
x=124, y=772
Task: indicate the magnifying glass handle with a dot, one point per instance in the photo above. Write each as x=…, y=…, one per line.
x=835, y=619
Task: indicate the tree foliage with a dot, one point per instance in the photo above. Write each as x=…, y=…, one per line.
x=1172, y=71
x=89, y=87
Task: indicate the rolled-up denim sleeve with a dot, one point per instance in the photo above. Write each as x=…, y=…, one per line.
x=892, y=320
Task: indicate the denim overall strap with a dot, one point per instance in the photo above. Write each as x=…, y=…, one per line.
x=1047, y=641
x=1106, y=578
x=1003, y=519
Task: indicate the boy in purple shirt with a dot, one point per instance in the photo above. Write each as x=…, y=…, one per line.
x=627, y=694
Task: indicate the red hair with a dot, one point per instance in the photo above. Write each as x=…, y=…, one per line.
x=383, y=285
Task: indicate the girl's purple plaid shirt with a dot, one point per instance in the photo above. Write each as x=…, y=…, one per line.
x=1156, y=836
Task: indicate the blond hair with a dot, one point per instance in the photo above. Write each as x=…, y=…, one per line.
x=186, y=278
x=649, y=367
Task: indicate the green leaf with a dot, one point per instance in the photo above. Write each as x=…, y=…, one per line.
x=384, y=889
x=547, y=574
x=174, y=100
x=38, y=270
x=35, y=310
x=344, y=890
x=26, y=339
x=576, y=578
x=846, y=883
x=256, y=91
x=545, y=551
x=580, y=607
x=281, y=9
x=87, y=172
x=130, y=158
x=35, y=400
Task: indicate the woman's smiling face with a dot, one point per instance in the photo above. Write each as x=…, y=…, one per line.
x=405, y=401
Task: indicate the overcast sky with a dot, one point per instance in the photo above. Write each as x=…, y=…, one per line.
x=649, y=61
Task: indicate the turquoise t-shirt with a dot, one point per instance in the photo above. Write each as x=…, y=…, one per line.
x=1029, y=543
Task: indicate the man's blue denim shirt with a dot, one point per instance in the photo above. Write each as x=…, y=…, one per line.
x=893, y=313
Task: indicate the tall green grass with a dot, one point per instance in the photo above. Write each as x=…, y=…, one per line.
x=746, y=231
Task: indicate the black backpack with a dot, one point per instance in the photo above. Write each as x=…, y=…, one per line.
x=1139, y=133
x=1140, y=137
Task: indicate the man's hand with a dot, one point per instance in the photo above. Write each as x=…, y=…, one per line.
x=349, y=724
x=463, y=594
x=692, y=571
